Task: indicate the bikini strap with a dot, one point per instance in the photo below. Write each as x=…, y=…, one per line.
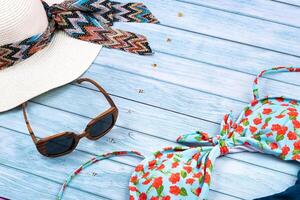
x=270, y=71
x=92, y=161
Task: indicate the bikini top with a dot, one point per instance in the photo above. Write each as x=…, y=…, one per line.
x=266, y=125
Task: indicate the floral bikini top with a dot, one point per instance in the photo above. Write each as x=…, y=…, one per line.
x=266, y=125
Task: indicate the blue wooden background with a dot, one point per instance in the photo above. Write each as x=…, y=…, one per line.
x=207, y=55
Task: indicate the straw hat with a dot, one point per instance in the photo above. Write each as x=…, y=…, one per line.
x=61, y=62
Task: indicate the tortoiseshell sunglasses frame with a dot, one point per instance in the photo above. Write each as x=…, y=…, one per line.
x=40, y=143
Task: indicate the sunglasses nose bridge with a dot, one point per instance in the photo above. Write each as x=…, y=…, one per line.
x=83, y=134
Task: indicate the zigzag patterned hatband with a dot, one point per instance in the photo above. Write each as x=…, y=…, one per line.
x=87, y=20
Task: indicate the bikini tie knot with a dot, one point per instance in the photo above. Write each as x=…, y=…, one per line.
x=224, y=140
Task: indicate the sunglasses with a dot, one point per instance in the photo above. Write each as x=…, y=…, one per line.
x=65, y=142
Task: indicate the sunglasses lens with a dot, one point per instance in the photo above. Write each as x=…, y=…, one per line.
x=60, y=145
x=101, y=126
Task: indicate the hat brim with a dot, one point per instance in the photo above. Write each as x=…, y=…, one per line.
x=63, y=61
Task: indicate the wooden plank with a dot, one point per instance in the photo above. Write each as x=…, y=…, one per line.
x=110, y=174
x=168, y=123
x=18, y=185
x=256, y=8
x=218, y=53
x=176, y=98
x=216, y=23
x=203, y=77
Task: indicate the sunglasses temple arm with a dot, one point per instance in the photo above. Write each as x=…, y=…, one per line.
x=108, y=98
x=28, y=124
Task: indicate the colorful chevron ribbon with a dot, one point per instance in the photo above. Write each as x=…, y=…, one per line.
x=87, y=20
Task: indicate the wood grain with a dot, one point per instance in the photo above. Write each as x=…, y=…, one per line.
x=235, y=85
x=216, y=23
x=206, y=50
x=262, y=9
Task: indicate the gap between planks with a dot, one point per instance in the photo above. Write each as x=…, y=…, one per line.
x=239, y=13
x=183, y=86
x=222, y=67
x=213, y=34
x=230, y=40
x=287, y=3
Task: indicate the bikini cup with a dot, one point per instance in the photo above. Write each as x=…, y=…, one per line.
x=267, y=125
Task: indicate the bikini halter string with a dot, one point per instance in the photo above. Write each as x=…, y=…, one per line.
x=92, y=161
x=186, y=171
x=87, y=20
